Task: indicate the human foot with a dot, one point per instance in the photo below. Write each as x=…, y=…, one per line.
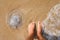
x=39, y=28
x=31, y=27
x=39, y=31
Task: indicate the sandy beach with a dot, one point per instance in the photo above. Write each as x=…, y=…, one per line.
x=31, y=10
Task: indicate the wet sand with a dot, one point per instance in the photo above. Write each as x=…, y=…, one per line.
x=32, y=10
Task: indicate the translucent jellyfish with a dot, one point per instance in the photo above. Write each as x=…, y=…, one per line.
x=14, y=18
x=52, y=23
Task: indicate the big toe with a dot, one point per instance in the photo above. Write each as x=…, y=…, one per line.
x=31, y=27
x=39, y=27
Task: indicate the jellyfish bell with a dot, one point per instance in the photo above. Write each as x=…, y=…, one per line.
x=57, y=9
x=14, y=19
x=52, y=23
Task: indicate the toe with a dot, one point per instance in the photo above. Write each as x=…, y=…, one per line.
x=31, y=28
x=39, y=27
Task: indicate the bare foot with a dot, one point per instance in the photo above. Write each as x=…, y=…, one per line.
x=39, y=31
x=39, y=28
x=31, y=27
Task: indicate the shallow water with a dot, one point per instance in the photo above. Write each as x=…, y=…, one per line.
x=52, y=23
